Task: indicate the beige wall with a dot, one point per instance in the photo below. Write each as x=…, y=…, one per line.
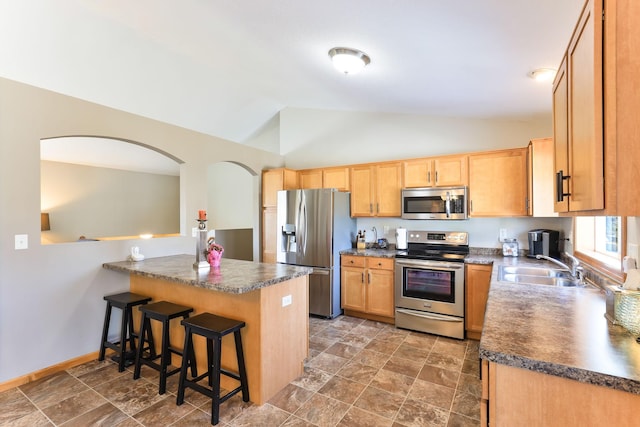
x=100, y=202
x=51, y=305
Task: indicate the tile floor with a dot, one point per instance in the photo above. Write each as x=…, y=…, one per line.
x=359, y=373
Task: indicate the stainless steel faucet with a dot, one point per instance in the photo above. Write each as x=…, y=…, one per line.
x=576, y=270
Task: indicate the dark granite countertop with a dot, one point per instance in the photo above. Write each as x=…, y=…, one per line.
x=381, y=253
x=233, y=276
x=556, y=330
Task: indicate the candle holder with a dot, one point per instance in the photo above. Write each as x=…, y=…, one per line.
x=201, y=247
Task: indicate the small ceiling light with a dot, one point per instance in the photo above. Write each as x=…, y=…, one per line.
x=348, y=61
x=543, y=74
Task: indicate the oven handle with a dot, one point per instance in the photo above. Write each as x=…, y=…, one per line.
x=430, y=316
x=428, y=264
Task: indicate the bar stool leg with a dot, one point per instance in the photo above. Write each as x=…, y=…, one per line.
x=165, y=356
x=145, y=329
x=215, y=403
x=105, y=331
x=188, y=344
x=123, y=339
x=132, y=342
x=241, y=368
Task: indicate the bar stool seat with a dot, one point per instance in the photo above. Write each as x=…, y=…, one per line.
x=213, y=328
x=163, y=311
x=125, y=301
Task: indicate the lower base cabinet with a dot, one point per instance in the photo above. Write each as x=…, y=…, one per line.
x=477, y=281
x=367, y=287
x=519, y=397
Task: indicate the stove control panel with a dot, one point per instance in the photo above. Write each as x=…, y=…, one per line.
x=439, y=237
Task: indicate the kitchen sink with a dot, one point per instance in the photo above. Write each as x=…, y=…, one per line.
x=537, y=276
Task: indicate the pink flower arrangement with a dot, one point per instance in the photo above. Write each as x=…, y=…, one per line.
x=214, y=252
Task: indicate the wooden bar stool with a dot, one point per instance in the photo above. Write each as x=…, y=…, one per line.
x=213, y=328
x=125, y=301
x=164, y=312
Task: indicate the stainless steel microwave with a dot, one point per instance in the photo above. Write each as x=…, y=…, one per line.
x=434, y=203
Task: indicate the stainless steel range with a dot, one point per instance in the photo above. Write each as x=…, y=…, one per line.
x=429, y=283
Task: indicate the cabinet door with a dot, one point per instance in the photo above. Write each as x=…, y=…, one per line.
x=477, y=281
x=417, y=173
x=586, y=150
x=542, y=181
x=336, y=178
x=561, y=138
x=274, y=180
x=450, y=171
x=362, y=191
x=353, y=288
x=311, y=178
x=380, y=293
x=498, y=183
x=269, y=237
x=388, y=190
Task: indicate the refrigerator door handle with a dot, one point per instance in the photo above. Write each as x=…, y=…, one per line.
x=303, y=225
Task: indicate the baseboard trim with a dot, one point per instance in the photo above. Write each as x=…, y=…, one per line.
x=33, y=376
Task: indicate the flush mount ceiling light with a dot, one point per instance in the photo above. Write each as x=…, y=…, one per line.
x=348, y=61
x=543, y=74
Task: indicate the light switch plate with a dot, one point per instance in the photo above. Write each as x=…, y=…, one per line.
x=194, y=232
x=22, y=241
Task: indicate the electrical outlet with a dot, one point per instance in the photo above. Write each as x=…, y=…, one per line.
x=633, y=251
x=385, y=229
x=503, y=234
x=286, y=300
x=22, y=241
x=194, y=232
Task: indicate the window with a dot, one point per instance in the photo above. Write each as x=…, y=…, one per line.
x=599, y=240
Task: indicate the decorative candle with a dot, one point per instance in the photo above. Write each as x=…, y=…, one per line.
x=202, y=215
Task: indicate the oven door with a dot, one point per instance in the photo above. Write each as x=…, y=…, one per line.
x=433, y=286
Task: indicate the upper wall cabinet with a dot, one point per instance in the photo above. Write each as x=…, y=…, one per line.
x=440, y=172
x=310, y=178
x=376, y=190
x=578, y=117
x=498, y=183
x=274, y=180
x=621, y=107
x=337, y=177
x=541, y=182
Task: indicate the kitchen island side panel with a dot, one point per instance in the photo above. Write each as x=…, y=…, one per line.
x=275, y=338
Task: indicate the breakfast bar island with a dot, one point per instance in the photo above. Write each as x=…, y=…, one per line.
x=272, y=299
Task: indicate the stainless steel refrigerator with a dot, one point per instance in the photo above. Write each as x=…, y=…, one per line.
x=313, y=227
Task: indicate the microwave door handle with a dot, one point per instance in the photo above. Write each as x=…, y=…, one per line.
x=447, y=205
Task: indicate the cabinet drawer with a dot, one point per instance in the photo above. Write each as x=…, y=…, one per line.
x=380, y=263
x=352, y=261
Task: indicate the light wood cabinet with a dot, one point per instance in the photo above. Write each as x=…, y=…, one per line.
x=578, y=96
x=376, y=190
x=541, y=188
x=477, y=281
x=336, y=178
x=517, y=396
x=439, y=172
x=498, y=183
x=367, y=287
x=310, y=178
x=273, y=180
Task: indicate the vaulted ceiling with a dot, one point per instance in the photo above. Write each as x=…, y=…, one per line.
x=226, y=67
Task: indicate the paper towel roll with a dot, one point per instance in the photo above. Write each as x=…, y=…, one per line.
x=633, y=280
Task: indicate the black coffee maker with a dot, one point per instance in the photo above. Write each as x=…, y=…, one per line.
x=543, y=242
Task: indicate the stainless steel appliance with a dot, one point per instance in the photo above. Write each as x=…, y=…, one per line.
x=544, y=242
x=434, y=203
x=313, y=226
x=429, y=283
